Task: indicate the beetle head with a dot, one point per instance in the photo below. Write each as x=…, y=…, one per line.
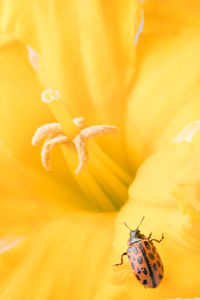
x=135, y=235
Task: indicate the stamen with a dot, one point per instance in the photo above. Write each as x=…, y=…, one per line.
x=98, y=130
x=49, y=130
x=82, y=153
x=80, y=122
x=86, y=134
x=47, y=148
x=104, y=182
x=55, y=136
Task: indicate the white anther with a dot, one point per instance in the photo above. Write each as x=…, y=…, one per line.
x=47, y=148
x=86, y=134
x=80, y=122
x=82, y=153
x=98, y=130
x=49, y=130
x=55, y=136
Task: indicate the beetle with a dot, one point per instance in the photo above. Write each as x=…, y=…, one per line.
x=144, y=258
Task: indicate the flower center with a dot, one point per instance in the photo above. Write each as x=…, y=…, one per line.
x=103, y=182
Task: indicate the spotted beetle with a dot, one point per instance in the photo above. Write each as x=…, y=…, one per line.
x=144, y=258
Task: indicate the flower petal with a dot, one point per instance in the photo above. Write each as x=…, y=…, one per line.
x=165, y=95
x=29, y=198
x=86, y=52
x=19, y=107
x=21, y=112
x=166, y=192
x=66, y=258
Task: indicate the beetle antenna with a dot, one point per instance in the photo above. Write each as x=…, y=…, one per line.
x=127, y=226
x=141, y=222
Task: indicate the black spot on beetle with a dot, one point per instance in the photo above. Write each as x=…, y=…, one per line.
x=144, y=281
x=140, y=260
x=155, y=267
x=135, y=249
x=129, y=250
x=154, y=250
x=147, y=245
x=144, y=270
x=160, y=276
x=151, y=255
x=137, y=277
x=158, y=263
x=138, y=270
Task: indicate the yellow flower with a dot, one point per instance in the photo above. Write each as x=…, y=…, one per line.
x=61, y=233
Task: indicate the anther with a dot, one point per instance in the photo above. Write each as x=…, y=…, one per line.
x=47, y=148
x=56, y=136
x=80, y=122
x=50, y=130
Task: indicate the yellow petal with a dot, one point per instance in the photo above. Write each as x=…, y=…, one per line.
x=69, y=258
x=187, y=189
x=90, y=46
x=166, y=192
x=167, y=17
x=29, y=198
x=86, y=51
x=21, y=112
x=82, y=243
x=165, y=95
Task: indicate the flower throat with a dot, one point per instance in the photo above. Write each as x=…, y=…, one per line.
x=103, y=182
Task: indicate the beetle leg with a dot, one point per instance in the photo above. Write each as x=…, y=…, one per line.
x=150, y=234
x=122, y=261
x=158, y=241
